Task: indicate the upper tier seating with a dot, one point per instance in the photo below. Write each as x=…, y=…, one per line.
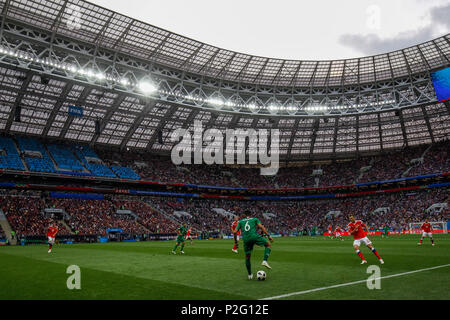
x=97, y=168
x=64, y=157
x=125, y=173
x=9, y=157
x=42, y=163
x=390, y=165
x=141, y=165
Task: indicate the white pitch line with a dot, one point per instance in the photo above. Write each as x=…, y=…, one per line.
x=352, y=283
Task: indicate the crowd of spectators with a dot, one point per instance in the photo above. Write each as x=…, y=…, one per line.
x=164, y=215
x=392, y=165
x=24, y=210
x=94, y=217
x=435, y=160
x=386, y=166
x=342, y=173
x=84, y=217
x=24, y=213
x=153, y=220
x=200, y=215
x=403, y=208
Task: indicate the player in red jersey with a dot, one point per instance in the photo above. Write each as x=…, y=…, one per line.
x=188, y=235
x=427, y=231
x=330, y=231
x=51, y=234
x=337, y=233
x=235, y=234
x=356, y=229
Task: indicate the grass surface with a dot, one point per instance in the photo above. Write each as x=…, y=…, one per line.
x=209, y=270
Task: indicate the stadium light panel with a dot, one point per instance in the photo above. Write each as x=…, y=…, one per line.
x=291, y=108
x=274, y=108
x=230, y=104
x=124, y=82
x=100, y=76
x=252, y=106
x=316, y=107
x=147, y=87
x=216, y=102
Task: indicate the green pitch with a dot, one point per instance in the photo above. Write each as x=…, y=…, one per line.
x=209, y=270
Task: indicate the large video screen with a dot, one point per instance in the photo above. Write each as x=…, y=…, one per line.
x=441, y=83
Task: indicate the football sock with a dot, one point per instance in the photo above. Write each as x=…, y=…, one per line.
x=376, y=253
x=182, y=247
x=175, y=248
x=50, y=247
x=421, y=240
x=249, y=266
x=267, y=253
x=432, y=241
x=359, y=253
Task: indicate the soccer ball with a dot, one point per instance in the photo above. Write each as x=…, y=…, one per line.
x=261, y=275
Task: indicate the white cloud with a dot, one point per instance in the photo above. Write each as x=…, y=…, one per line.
x=368, y=44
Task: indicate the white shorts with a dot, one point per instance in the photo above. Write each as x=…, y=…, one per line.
x=427, y=234
x=51, y=240
x=364, y=240
x=338, y=234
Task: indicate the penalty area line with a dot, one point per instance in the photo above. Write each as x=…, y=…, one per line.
x=352, y=283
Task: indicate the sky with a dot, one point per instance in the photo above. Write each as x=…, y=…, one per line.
x=296, y=29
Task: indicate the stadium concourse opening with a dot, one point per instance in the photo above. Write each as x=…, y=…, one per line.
x=93, y=206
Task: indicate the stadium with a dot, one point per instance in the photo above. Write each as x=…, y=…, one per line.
x=89, y=103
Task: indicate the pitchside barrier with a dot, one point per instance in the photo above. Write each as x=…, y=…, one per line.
x=273, y=235
x=124, y=237
x=371, y=233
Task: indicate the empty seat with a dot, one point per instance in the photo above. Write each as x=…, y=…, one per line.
x=9, y=157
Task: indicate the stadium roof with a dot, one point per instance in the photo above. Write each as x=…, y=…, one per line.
x=137, y=80
x=117, y=32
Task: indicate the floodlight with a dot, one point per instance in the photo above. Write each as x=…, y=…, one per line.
x=147, y=87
